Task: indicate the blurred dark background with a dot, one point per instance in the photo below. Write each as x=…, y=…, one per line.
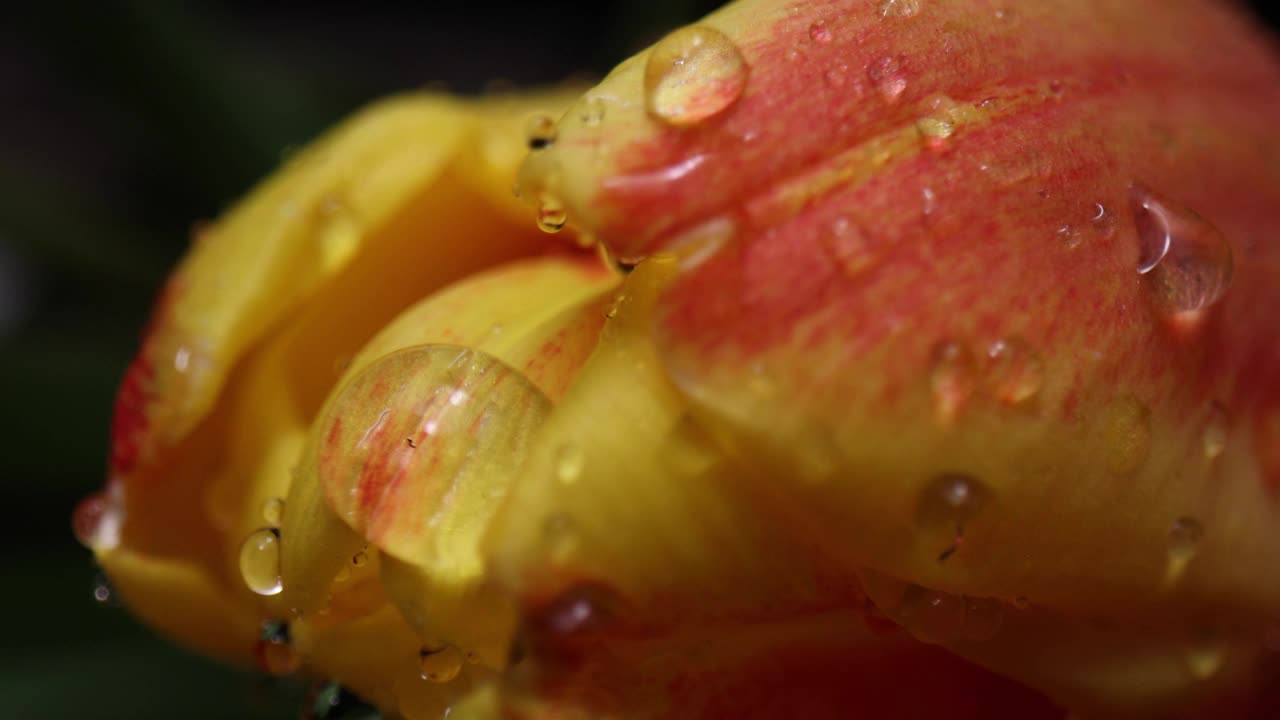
x=122, y=123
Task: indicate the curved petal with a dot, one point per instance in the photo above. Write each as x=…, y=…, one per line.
x=919, y=290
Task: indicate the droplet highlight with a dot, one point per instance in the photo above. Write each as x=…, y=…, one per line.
x=1186, y=261
x=952, y=379
x=888, y=77
x=569, y=461
x=900, y=9
x=260, y=562
x=273, y=511
x=693, y=74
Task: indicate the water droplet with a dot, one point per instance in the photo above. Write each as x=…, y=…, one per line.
x=819, y=32
x=899, y=8
x=273, y=511
x=792, y=54
x=1014, y=371
x=260, y=562
x=931, y=615
x=593, y=109
x=331, y=701
x=551, y=214
x=837, y=76
x=1069, y=236
x=440, y=662
x=952, y=380
x=887, y=75
x=847, y=247
x=1103, y=222
x=581, y=609
x=360, y=559
x=275, y=651
x=560, y=533
x=1187, y=262
x=340, y=230
x=1184, y=538
x=1215, y=432
x=540, y=132
x=569, y=461
x=950, y=501
x=615, y=307
x=1205, y=655
x=97, y=519
x=935, y=128
x=982, y=618
x=104, y=593
x=1127, y=433
x=928, y=203
x=693, y=74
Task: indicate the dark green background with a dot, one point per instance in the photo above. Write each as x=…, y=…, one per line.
x=121, y=123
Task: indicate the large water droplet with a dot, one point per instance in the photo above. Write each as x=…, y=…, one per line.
x=899, y=8
x=1186, y=260
x=440, y=662
x=97, y=519
x=1014, y=371
x=693, y=74
x=260, y=562
x=1127, y=435
x=952, y=379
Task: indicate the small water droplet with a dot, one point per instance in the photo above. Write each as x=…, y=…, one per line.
x=260, y=562
x=819, y=32
x=1069, y=236
x=593, y=110
x=1014, y=371
x=540, y=132
x=1185, y=534
x=693, y=74
x=440, y=662
x=982, y=618
x=931, y=615
x=950, y=501
x=615, y=307
x=792, y=54
x=1104, y=224
x=569, y=461
x=935, y=128
x=847, y=247
x=275, y=651
x=1205, y=655
x=551, y=214
x=928, y=203
x=104, y=593
x=1127, y=433
x=837, y=76
x=899, y=8
x=360, y=559
x=1215, y=432
x=1187, y=262
x=273, y=511
x=560, y=533
x=888, y=77
x=97, y=519
x=952, y=380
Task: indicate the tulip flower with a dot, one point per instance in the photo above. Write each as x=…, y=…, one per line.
x=927, y=366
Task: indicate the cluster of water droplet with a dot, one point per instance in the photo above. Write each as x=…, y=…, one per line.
x=1011, y=371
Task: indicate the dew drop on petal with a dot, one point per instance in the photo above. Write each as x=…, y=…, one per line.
x=1014, y=371
x=819, y=32
x=1185, y=534
x=899, y=8
x=440, y=662
x=887, y=75
x=260, y=562
x=952, y=379
x=693, y=74
x=847, y=247
x=1186, y=261
x=1214, y=439
x=97, y=519
x=1126, y=425
x=1102, y=221
x=104, y=593
x=1069, y=237
x=569, y=460
x=273, y=511
x=551, y=214
x=931, y=615
x=949, y=501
